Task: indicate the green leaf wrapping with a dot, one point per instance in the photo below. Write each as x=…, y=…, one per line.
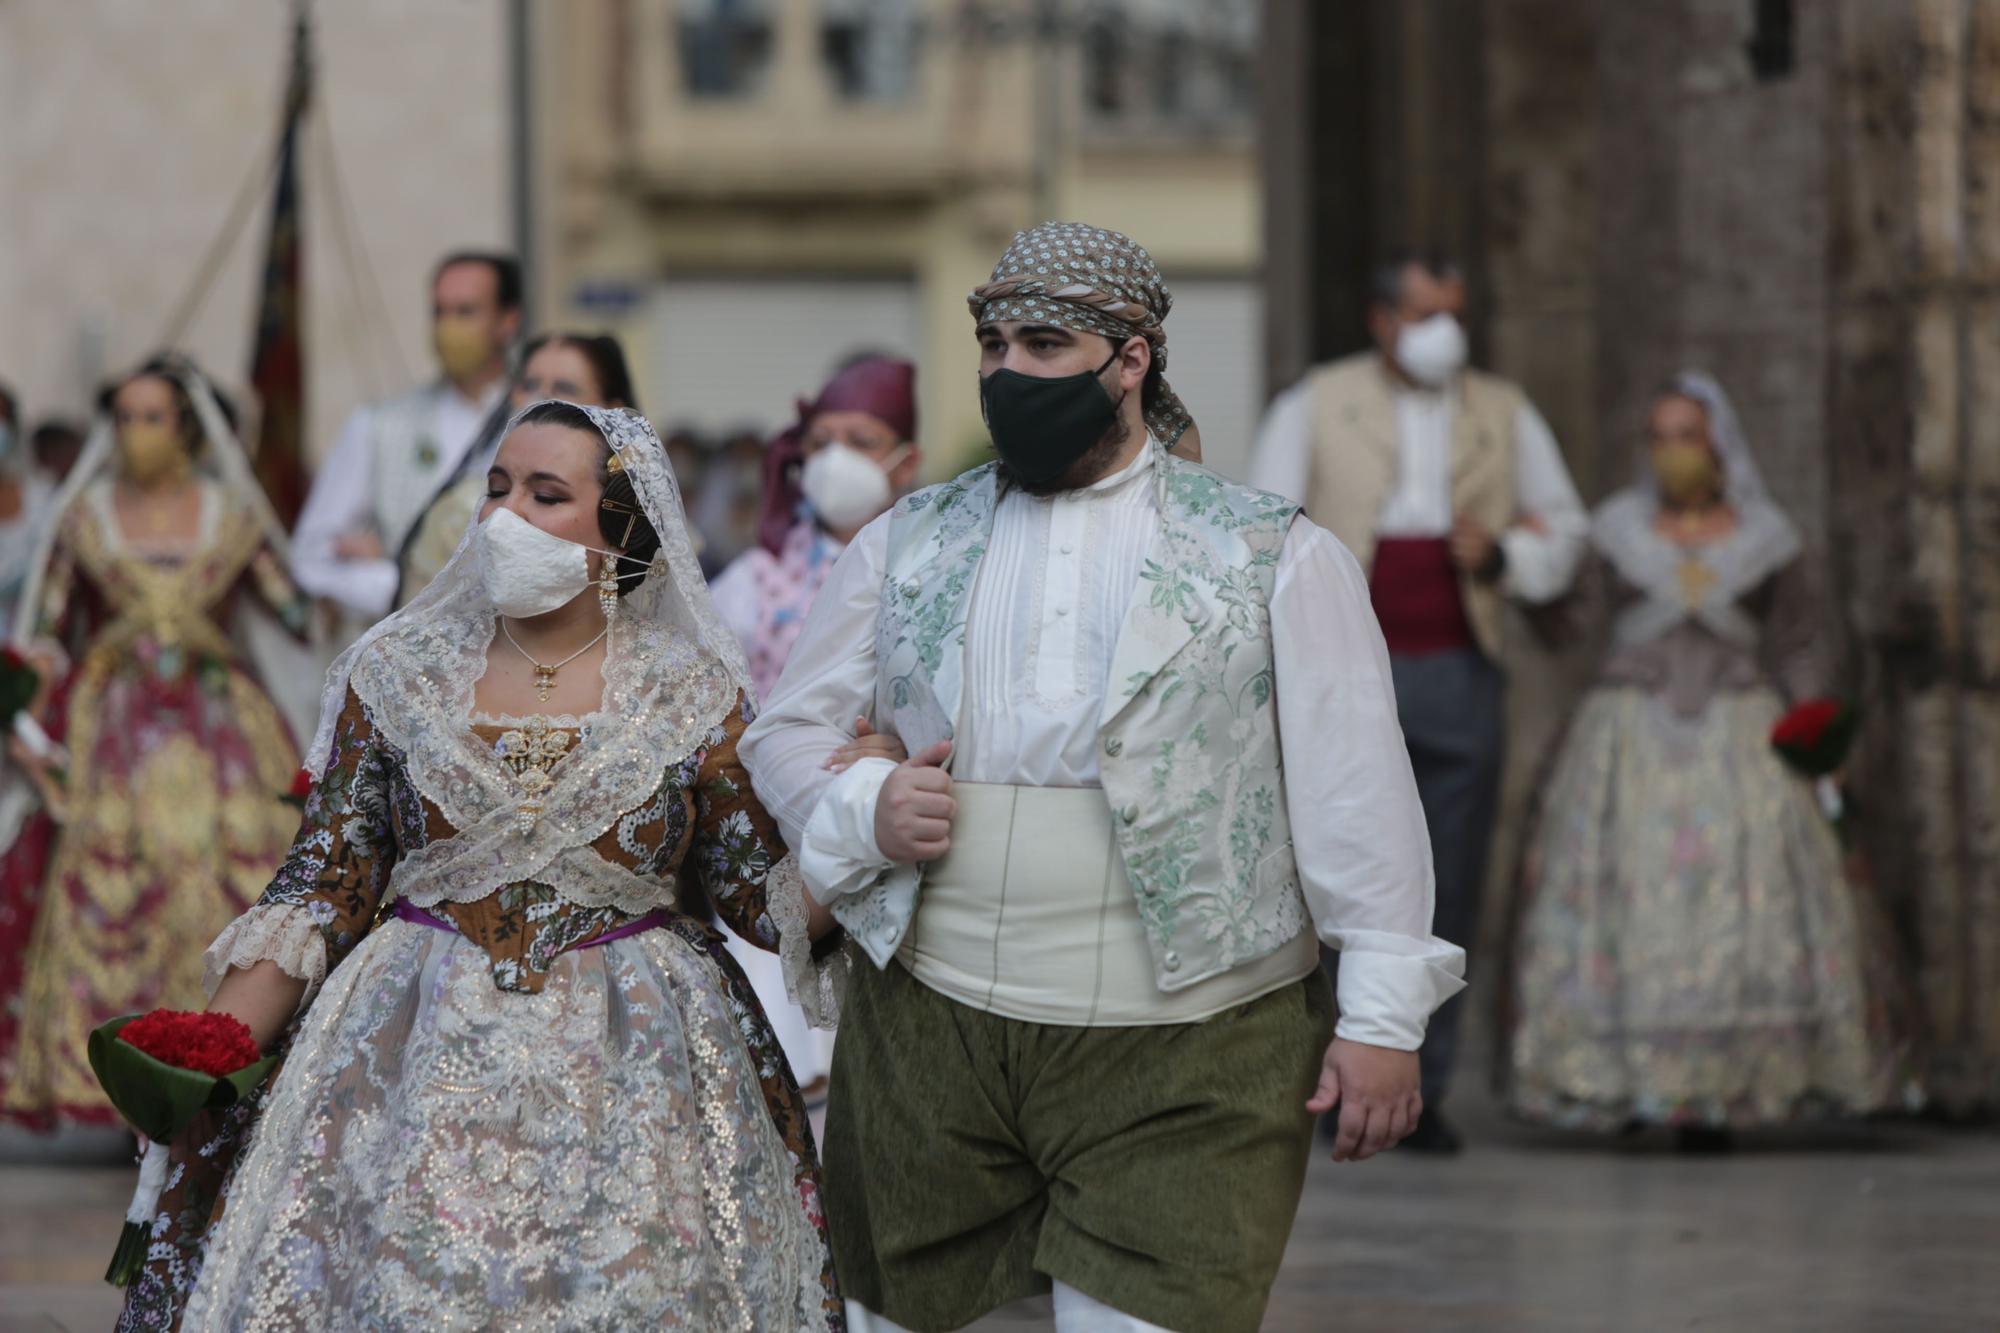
x=156, y=1098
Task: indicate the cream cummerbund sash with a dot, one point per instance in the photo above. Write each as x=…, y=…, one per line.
x=1030, y=916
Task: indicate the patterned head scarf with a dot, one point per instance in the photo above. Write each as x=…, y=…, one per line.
x=1076, y=276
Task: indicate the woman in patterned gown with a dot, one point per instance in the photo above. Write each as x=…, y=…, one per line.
x=170, y=811
x=523, y=1084
x=1690, y=952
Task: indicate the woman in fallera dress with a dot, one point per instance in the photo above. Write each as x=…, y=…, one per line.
x=523, y=1085
x=1690, y=952
x=170, y=809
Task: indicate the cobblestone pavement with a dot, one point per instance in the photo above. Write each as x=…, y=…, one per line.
x=1864, y=1228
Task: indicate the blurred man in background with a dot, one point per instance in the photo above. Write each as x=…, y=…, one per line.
x=391, y=457
x=1448, y=486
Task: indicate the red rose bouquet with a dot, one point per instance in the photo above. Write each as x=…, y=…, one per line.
x=1814, y=739
x=160, y=1070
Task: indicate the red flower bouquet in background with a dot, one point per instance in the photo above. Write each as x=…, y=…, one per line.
x=302, y=785
x=160, y=1070
x=18, y=683
x=1814, y=739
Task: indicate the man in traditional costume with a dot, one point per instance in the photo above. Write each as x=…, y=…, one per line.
x=391, y=457
x=1448, y=485
x=1090, y=1035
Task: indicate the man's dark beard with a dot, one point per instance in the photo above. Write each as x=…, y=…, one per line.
x=1095, y=464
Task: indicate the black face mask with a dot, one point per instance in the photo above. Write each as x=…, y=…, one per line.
x=1041, y=426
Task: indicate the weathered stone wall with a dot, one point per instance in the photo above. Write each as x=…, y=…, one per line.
x=127, y=130
x=1825, y=238
x=1913, y=463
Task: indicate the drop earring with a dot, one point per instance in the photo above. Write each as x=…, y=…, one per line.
x=607, y=589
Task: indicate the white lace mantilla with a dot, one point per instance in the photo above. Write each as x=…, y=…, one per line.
x=672, y=672
x=418, y=684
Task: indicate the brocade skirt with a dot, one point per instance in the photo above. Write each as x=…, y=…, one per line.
x=1690, y=950
x=437, y=1153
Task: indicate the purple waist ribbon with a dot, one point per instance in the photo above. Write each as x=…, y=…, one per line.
x=653, y=920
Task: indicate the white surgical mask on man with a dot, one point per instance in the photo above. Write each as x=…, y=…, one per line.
x=846, y=487
x=1432, y=350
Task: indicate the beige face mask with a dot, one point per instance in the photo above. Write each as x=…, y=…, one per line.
x=150, y=450
x=463, y=346
x=1686, y=472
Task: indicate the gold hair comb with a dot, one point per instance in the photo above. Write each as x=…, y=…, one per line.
x=632, y=517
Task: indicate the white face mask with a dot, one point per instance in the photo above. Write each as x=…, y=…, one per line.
x=846, y=487
x=1431, y=351
x=529, y=572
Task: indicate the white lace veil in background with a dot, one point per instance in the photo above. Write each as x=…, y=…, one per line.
x=1624, y=531
x=221, y=460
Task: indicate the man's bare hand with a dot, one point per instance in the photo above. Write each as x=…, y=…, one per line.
x=363, y=545
x=914, y=809
x=1473, y=547
x=867, y=744
x=1376, y=1091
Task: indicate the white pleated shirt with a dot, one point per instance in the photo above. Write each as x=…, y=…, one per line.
x=1042, y=626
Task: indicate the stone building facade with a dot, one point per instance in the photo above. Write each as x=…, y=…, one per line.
x=745, y=190
x=1804, y=199
x=128, y=131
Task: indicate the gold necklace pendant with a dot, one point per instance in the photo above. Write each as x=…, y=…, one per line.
x=545, y=674
x=532, y=751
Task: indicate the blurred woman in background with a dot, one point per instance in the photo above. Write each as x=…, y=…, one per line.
x=1690, y=952
x=170, y=795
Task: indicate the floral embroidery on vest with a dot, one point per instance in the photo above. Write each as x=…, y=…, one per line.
x=1191, y=763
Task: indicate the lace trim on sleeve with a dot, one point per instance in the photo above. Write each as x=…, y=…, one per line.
x=283, y=933
x=815, y=985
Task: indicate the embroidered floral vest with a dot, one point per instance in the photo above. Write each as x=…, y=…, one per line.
x=1188, y=739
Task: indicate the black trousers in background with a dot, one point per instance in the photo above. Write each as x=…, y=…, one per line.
x=1452, y=709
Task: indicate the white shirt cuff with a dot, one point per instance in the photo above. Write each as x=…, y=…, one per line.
x=838, y=854
x=1533, y=572
x=1387, y=997
x=366, y=587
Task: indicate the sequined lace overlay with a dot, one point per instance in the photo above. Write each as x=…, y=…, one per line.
x=440, y=1154
x=575, y=1059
